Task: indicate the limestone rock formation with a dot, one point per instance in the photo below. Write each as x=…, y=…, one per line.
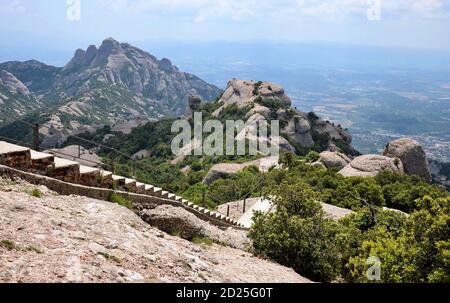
x=243, y=92
x=76, y=239
x=194, y=102
x=104, y=85
x=412, y=155
x=334, y=159
x=371, y=165
x=172, y=220
x=224, y=170
x=268, y=101
x=13, y=84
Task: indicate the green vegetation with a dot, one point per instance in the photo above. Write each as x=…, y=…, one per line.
x=8, y=244
x=312, y=156
x=202, y=240
x=33, y=249
x=175, y=232
x=35, y=192
x=109, y=257
x=411, y=248
x=115, y=198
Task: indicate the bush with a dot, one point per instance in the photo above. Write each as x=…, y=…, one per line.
x=312, y=156
x=306, y=244
x=35, y=192
x=417, y=252
x=202, y=240
x=115, y=198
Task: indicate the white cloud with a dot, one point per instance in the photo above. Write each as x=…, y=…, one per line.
x=236, y=10
x=15, y=6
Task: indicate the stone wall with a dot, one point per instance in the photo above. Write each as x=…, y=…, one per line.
x=139, y=201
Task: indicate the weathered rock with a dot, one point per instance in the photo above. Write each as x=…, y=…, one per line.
x=76, y=239
x=246, y=92
x=371, y=165
x=259, y=109
x=223, y=170
x=412, y=155
x=194, y=103
x=177, y=220
x=334, y=159
x=13, y=84
x=174, y=220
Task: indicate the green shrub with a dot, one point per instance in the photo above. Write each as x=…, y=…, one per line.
x=35, y=192
x=312, y=156
x=202, y=240
x=306, y=244
x=8, y=244
x=115, y=198
x=415, y=252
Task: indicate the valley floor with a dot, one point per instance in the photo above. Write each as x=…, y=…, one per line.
x=57, y=238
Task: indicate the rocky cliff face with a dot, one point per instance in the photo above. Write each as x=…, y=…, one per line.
x=106, y=85
x=411, y=153
x=15, y=98
x=122, y=64
x=75, y=239
x=301, y=131
x=400, y=156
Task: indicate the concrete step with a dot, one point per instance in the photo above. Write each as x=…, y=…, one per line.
x=90, y=176
x=41, y=163
x=106, y=180
x=140, y=188
x=65, y=170
x=168, y=195
x=156, y=191
x=119, y=181
x=130, y=185
x=15, y=156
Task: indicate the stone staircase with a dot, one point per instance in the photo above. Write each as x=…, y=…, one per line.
x=27, y=160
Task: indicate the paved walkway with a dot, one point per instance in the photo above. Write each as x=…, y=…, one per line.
x=262, y=205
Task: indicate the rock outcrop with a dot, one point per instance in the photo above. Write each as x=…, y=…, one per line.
x=412, y=155
x=76, y=239
x=176, y=220
x=268, y=101
x=371, y=165
x=105, y=85
x=13, y=84
x=245, y=92
x=224, y=170
x=334, y=159
x=194, y=103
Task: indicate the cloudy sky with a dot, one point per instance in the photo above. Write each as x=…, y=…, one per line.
x=54, y=23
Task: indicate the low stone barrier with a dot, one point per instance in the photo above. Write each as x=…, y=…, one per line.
x=139, y=201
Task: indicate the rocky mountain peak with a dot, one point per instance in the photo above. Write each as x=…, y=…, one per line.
x=266, y=100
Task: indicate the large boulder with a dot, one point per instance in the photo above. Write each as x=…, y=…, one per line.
x=174, y=220
x=412, y=155
x=334, y=159
x=194, y=103
x=224, y=170
x=246, y=92
x=372, y=165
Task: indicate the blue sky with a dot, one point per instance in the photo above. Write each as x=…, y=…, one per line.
x=44, y=24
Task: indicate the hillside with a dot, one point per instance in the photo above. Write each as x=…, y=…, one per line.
x=15, y=98
x=75, y=239
x=100, y=86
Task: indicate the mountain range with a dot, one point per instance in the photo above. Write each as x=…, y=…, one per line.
x=98, y=86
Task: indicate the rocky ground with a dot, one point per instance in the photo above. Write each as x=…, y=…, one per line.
x=57, y=238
